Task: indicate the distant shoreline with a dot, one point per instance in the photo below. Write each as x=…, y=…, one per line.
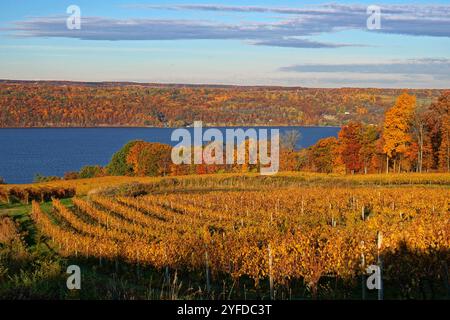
x=195, y=85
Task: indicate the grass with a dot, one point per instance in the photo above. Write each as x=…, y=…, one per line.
x=84, y=186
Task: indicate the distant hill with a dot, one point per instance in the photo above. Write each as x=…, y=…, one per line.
x=87, y=104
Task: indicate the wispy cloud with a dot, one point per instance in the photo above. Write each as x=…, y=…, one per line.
x=430, y=20
x=294, y=31
x=300, y=43
x=96, y=28
x=427, y=11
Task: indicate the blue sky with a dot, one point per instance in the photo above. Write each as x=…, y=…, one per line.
x=292, y=43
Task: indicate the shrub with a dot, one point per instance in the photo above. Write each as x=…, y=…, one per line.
x=71, y=175
x=41, y=194
x=91, y=172
x=132, y=189
x=40, y=178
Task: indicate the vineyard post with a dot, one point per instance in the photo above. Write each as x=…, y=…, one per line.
x=270, y=273
x=302, y=206
x=363, y=277
x=166, y=274
x=380, y=264
x=380, y=291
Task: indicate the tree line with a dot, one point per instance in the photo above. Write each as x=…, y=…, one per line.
x=411, y=138
x=47, y=104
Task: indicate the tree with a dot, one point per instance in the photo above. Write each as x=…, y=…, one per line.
x=118, y=165
x=323, y=154
x=444, y=149
x=397, y=125
x=350, y=146
x=288, y=156
x=419, y=131
x=438, y=125
x=290, y=139
x=150, y=159
x=368, y=151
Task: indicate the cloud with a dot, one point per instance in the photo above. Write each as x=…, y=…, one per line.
x=425, y=20
x=437, y=68
x=330, y=9
x=95, y=28
x=292, y=29
x=299, y=43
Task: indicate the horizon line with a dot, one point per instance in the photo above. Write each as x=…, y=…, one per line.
x=174, y=84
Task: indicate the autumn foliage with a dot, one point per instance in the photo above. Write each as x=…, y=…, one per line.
x=66, y=104
x=410, y=138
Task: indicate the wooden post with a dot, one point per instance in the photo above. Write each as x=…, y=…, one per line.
x=363, y=277
x=380, y=264
x=381, y=290
x=270, y=274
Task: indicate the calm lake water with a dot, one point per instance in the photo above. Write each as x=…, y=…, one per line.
x=54, y=151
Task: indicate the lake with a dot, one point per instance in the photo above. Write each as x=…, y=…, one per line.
x=54, y=151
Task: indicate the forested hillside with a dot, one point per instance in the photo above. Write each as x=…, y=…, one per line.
x=66, y=104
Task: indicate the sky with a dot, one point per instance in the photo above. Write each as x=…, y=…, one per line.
x=275, y=42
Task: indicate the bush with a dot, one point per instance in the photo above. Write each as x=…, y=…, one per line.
x=41, y=194
x=71, y=175
x=133, y=189
x=91, y=172
x=2, y=181
x=40, y=178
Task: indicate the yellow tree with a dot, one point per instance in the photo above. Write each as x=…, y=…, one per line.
x=397, y=125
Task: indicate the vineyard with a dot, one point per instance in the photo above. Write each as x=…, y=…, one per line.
x=285, y=242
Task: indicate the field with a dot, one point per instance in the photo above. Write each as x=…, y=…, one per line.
x=292, y=236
